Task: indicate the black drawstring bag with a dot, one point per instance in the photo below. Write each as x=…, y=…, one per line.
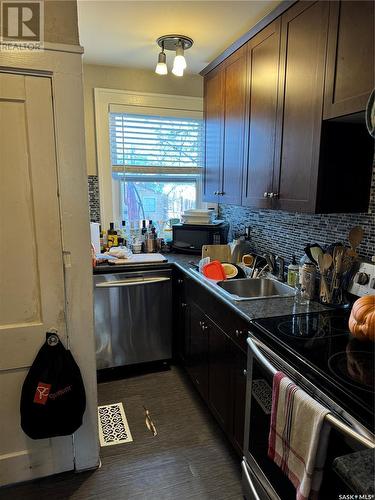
x=53, y=398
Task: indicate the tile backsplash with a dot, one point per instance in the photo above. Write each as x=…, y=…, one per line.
x=283, y=233
x=286, y=234
x=94, y=201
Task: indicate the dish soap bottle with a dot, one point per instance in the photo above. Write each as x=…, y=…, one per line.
x=293, y=272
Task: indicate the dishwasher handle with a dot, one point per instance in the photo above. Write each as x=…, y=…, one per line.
x=131, y=282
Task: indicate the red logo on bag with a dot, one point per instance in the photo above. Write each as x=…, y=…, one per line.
x=41, y=393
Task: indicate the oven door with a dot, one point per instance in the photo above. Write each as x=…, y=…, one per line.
x=262, y=478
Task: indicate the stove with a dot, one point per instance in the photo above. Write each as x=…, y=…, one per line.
x=320, y=346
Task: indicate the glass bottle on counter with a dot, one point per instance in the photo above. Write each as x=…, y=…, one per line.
x=112, y=236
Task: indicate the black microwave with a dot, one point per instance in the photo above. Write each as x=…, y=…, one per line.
x=189, y=238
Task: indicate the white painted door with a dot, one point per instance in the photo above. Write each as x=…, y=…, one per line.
x=31, y=267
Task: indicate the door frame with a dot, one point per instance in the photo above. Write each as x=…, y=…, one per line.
x=63, y=65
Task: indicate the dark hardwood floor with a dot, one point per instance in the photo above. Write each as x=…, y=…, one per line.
x=188, y=459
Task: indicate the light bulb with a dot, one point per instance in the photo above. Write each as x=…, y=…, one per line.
x=179, y=60
x=177, y=71
x=161, y=67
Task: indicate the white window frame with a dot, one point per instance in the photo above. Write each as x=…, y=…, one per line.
x=106, y=99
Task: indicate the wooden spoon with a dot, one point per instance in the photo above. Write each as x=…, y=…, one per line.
x=326, y=261
x=355, y=238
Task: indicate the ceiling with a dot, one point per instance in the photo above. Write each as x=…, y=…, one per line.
x=123, y=33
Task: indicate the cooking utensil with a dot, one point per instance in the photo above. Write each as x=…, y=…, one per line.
x=336, y=291
x=325, y=262
x=355, y=238
x=313, y=251
x=252, y=271
x=217, y=252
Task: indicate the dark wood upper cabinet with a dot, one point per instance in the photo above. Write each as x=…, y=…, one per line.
x=350, y=57
x=214, y=133
x=263, y=72
x=313, y=63
x=225, y=101
x=234, y=127
x=304, y=29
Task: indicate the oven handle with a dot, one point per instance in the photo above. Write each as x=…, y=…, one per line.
x=249, y=481
x=255, y=346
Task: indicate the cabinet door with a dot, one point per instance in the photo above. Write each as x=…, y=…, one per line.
x=218, y=373
x=238, y=392
x=302, y=66
x=214, y=128
x=180, y=318
x=350, y=57
x=234, y=127
x=196, y=356
x=263, y=69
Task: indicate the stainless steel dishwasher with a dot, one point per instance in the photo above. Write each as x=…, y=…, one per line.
x=133, y=317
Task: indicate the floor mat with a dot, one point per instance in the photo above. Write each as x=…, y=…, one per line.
x=113, y=425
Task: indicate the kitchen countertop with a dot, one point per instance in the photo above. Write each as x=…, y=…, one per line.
x=249, y=310
x=357, y=470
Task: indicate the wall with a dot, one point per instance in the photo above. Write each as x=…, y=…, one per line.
x=122, y=78
x=285, y=233
x=60, y=21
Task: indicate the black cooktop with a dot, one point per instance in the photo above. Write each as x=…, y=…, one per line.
x=320, y=346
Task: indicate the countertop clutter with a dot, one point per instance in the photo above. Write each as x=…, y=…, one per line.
x=258, y=308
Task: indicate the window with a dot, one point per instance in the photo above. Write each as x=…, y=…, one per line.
x=149, y=154
x=155, y=141
x=156, y=164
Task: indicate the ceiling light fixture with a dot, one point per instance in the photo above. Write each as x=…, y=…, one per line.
x=177, y=43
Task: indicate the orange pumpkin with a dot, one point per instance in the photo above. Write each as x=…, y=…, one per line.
x=362, y=318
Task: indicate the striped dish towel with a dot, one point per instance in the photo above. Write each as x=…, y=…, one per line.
x=298, y=436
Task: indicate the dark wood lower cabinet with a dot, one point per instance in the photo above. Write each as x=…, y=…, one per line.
x=213, y=356
x=218, y=373
x=197, y=352
x=238, y=391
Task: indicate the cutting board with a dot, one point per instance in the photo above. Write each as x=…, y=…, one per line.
x=141, y=258
x=217, y=252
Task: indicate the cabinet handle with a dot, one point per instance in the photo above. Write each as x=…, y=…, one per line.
x=245, y=372
x=180, y=281
x=274, y=195
x=238, y=333
x=216, y=192
x=183, y=304
x=204, y=327
x=201, y=323
x=266, y=195
x=221, y=193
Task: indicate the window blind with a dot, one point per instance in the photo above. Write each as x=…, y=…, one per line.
x=155, y=141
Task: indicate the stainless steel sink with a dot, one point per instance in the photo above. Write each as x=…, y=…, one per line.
x=255, y=288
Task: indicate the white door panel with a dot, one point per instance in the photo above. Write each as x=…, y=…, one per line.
x=32, y=296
